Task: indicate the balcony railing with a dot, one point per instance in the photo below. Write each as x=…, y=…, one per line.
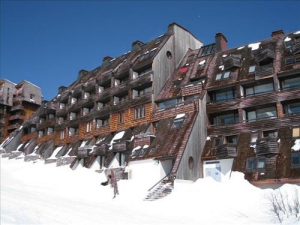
x=16, y=117
x=296, y=48
x=266, y=55
x=17, y=107
x=267, y=146
x=231, y=62
x=226, y=150
x=84, y=152
x=101, y=150
x=120, y=146
x=264, y=70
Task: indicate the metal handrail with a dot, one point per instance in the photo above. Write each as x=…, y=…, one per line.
x=159, y=181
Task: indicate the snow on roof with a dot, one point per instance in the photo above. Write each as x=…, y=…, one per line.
x=55, y=152
x=136, y=148
x=202, y=62
x=116, y=137
x=287, y=39
x=221, y=67
x=240, y=47
x=254, y=46
x=180, y=116
x=297, y=32
x=208, y=138
x=83, y=143
x=20, y=127
x=224, y=55
x=20, y=145
x=296, y=146
x=146, y=146
x=153, y=49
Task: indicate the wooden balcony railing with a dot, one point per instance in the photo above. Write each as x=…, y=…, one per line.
x=267, y=146
x=226, y=150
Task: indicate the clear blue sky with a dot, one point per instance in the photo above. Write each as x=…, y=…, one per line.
x=48, y=42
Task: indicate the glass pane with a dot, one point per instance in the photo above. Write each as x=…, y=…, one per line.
x=254, y=137
x=226, y=75
x=295, y=159
x=261, y=163
x=263, y=88
x=249, y=91
x=221, y=96
x=251, y=163
x=251, y=69
x=219, y=76
x=251, y=115
x=231, y=139
x=296, y=132
x=266, y=112
x=294, y=82
x=294, y=108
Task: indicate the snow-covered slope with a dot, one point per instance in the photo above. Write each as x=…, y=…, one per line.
x=35, y=193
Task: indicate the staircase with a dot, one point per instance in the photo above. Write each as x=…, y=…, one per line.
x=163, y=189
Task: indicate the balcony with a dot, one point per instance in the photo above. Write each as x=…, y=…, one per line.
x=120, y=146
x=226, y=151
x=17, y=107
x=267, y=146
x=266, y=70
x=101, y=150
x=296, y=48
x=265, y=56
x=84, y=152
x=192, y=88
x=13, y=127
x=232, y=61
x=16, y=117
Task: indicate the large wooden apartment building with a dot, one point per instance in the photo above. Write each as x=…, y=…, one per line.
x=174, y=108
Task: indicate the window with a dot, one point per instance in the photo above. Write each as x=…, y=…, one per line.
x=263, y=113
x=86, y=95
x=225, y=119
x=289, y=60
x=256, y=164
x=61, y=135
x=169, y=55
x=178, y=120
x=295, y=159
x=224, y=95
x=62, y=105
x=176, y=83
x=270, y=133
x=41, y=133
x=60, y=120
x=72, y=115
x=290, y=83
x=224, y=75
x=170, y=102
x=73, y=131
x=139, y=112
x=254, y=137
x=251, y=69
x=89, y=126
x=86, y=111
x=231, y=139
x=293, y=108
x=73, y=100
x=141, y=92
x=51, y=116
x=31, y=96
x=102, y=122
x=50, y=130
x=191, y=162
x=218, y=141
x=120, y=98
x=296, y=132
x=121, y=117
x=259, y=89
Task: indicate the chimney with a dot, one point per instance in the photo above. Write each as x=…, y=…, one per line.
x=171, y=28
x=106, y=60
x=81, y=73
x=277, y=33
x=136, y=45
x=221, y=42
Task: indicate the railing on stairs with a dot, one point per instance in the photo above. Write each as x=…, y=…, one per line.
x=158, y=182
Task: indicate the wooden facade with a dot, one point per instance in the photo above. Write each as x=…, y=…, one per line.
x=174, y=100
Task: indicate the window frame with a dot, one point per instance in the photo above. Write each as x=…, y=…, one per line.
x=297, y=156
x=140, y=112
x=121, y=117
x=223, y=75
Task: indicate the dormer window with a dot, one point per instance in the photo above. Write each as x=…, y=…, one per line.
x=252, y=69
x=178, y=121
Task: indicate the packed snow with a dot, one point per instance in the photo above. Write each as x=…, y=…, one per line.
x=38, y=193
